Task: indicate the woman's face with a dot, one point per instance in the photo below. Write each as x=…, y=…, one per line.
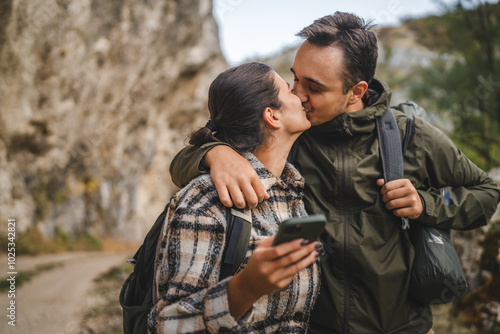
x=293, y=113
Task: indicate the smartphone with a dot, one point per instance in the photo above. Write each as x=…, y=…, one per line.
x=308, y=228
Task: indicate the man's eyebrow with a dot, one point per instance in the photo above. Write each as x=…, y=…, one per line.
x=316, y=82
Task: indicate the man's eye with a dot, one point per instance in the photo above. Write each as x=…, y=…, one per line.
x=312, y=89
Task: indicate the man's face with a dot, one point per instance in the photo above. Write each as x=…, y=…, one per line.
x=317, y=82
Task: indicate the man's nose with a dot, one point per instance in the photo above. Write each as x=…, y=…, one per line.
x=300, y=93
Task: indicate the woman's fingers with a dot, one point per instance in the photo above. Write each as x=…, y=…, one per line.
x=285, y=275
x=297, y=255
x=267, y=242
x=272, y=253
x=286, y=253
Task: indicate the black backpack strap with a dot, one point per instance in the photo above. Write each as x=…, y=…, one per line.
x=391, y=150
x=390, y=146
x=238, y=236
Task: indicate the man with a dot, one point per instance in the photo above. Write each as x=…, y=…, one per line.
x=366, y=268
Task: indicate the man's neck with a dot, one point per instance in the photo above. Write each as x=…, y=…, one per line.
x=355, y=107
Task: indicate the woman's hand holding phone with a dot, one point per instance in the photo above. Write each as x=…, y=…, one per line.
x=270, y=269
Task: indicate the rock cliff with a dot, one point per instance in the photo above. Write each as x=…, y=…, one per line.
x=95, y=99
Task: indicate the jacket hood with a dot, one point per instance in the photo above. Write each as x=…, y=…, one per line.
x=377, y=99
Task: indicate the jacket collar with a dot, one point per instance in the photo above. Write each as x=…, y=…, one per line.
x=377, y=99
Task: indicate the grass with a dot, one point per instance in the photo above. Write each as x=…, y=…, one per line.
x=105, y=316
x=26, y=275
x=33, y=242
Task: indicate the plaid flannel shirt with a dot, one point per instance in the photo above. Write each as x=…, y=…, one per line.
x=188, y=296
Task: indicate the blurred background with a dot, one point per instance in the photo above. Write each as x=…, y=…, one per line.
x=96, y=97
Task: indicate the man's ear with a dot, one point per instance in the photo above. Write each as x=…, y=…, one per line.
x=272, y=118
x=357, y=92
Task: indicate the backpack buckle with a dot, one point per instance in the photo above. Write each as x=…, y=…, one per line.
x=405, y=223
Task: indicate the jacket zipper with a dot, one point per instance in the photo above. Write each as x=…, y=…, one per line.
x=346, y=240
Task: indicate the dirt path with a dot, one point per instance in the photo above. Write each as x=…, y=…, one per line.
x=53, y=301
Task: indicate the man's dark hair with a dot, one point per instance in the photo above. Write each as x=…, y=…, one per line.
x=237, y=99
x=354, y=37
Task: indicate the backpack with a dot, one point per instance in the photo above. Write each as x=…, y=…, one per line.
x=437, y=276
x=136, y=295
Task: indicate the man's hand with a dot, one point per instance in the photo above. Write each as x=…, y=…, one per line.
x=401, y=197
x=234, y=177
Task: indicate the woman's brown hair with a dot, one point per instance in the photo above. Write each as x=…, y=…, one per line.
x=237, y=99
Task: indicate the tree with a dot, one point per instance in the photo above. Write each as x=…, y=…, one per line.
x=463, y=85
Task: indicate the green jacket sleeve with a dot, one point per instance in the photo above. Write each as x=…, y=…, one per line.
x=456, y=193
x=185, y=165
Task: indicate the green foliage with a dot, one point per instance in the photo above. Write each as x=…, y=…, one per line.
x=32, y=242
x=105, y=316
x=39, y=193
x=26, y=275
x=464, y=84
x=115, y=273
x=489, y=258
x=81, y=242
x=46, y=192
x=21, y=277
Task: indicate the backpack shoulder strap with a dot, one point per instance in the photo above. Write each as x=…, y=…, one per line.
x=137, y=289
x=145, y=256
x=239, y=228
x=391, y=150
x=390, y=146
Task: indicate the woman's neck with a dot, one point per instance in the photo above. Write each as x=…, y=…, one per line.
x=273, y=155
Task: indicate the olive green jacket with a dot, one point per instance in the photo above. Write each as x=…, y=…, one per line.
x=366, y=268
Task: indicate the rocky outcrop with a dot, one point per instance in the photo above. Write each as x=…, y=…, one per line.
x=95, y=99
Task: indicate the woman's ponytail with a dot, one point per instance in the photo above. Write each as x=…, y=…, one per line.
x=204, y=135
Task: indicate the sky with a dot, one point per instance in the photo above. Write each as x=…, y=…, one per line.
x=249, y=28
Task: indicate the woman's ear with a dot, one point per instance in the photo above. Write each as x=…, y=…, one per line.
x=272, y=118
x=358, y=91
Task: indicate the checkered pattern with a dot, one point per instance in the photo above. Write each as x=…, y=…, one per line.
x=188, y=296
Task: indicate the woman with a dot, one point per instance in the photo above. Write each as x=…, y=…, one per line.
x=254, y=111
